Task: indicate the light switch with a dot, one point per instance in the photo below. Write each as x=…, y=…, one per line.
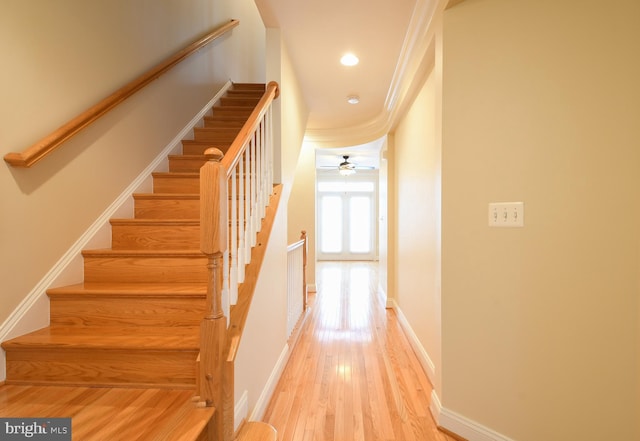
x=506, y=214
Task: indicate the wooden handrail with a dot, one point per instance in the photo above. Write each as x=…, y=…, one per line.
x=51, y=142
x=232, y=156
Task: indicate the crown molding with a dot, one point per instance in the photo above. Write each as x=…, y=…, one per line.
x=415, y=61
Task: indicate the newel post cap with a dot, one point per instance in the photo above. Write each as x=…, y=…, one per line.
x=214, y=154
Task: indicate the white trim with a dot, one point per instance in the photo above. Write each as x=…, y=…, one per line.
x=241, y=410
x=382, y=296
x=435, y=406
x=467, y=428
x=33, y=312
x=423, y=356
x=263, y=401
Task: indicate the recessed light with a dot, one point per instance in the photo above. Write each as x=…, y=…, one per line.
x=349, y=60
x=353, y=99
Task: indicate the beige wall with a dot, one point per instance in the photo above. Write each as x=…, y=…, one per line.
x=416, y=259
x=264, y=340
x=302, y=207
x=60, y=58
x=297, y=160
x=539, y=324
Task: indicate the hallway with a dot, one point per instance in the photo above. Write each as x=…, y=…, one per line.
x=352, y=375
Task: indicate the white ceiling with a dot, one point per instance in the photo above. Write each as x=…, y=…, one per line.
x=381, y=33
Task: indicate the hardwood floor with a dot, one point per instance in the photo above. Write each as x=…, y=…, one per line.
x=118, y=414
x=352, y=375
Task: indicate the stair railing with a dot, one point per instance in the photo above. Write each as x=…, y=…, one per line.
x=51, y=142
x=296, y=282
x=234, y=192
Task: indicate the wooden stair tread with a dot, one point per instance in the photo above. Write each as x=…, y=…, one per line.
x=108, y=252
x=186, y=157
x=214, y=143
x=156, y=196
x=131, y=290
x=168, y=222
x=116, y=338
x=178, y=174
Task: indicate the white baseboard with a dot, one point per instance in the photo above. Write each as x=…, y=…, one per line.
x=263, y=401
x=466, y=428
x=435, y=406
x=423, y=357
x=382, y=295
x=444, y=417
x=33, y=312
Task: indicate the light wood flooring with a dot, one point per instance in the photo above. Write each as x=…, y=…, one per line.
x=352, y=375
x=114, y=414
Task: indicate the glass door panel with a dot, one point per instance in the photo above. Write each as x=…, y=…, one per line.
x=360, y=235
x=330, y=224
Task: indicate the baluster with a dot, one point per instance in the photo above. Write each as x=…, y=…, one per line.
x=254, y=189
x=241, y=219
x=233, y=242
x=259, y=199
x=247, y=207
x=269, y=128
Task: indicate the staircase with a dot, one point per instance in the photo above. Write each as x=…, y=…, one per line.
x=134, y=322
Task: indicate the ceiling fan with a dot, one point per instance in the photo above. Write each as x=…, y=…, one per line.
x=346, y=168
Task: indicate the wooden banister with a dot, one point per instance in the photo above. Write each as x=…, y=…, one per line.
x=219, y=235
x=48, y=144
x=232, y=157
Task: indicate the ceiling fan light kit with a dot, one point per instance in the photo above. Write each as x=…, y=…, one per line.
x=346, y=168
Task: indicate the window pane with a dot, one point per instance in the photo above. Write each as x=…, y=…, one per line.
x=331, y=224
x=360, y=224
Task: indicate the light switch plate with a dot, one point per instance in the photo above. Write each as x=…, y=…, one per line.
x=506, y=214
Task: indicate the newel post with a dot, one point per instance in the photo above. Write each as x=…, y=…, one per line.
x=213, y=243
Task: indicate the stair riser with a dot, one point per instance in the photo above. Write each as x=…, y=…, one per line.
x=212, y=134
x=215, y=123
x=239, y=101
x=186, y=164
x=58, y=366
x=220, y=111
x=176, y=184
x=253, y=87
x=179, y=269
x=126, y=312
x=167, y=209
x=155, y=237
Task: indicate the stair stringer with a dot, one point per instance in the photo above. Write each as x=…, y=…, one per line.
x=33, y=312
x=257, y=329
